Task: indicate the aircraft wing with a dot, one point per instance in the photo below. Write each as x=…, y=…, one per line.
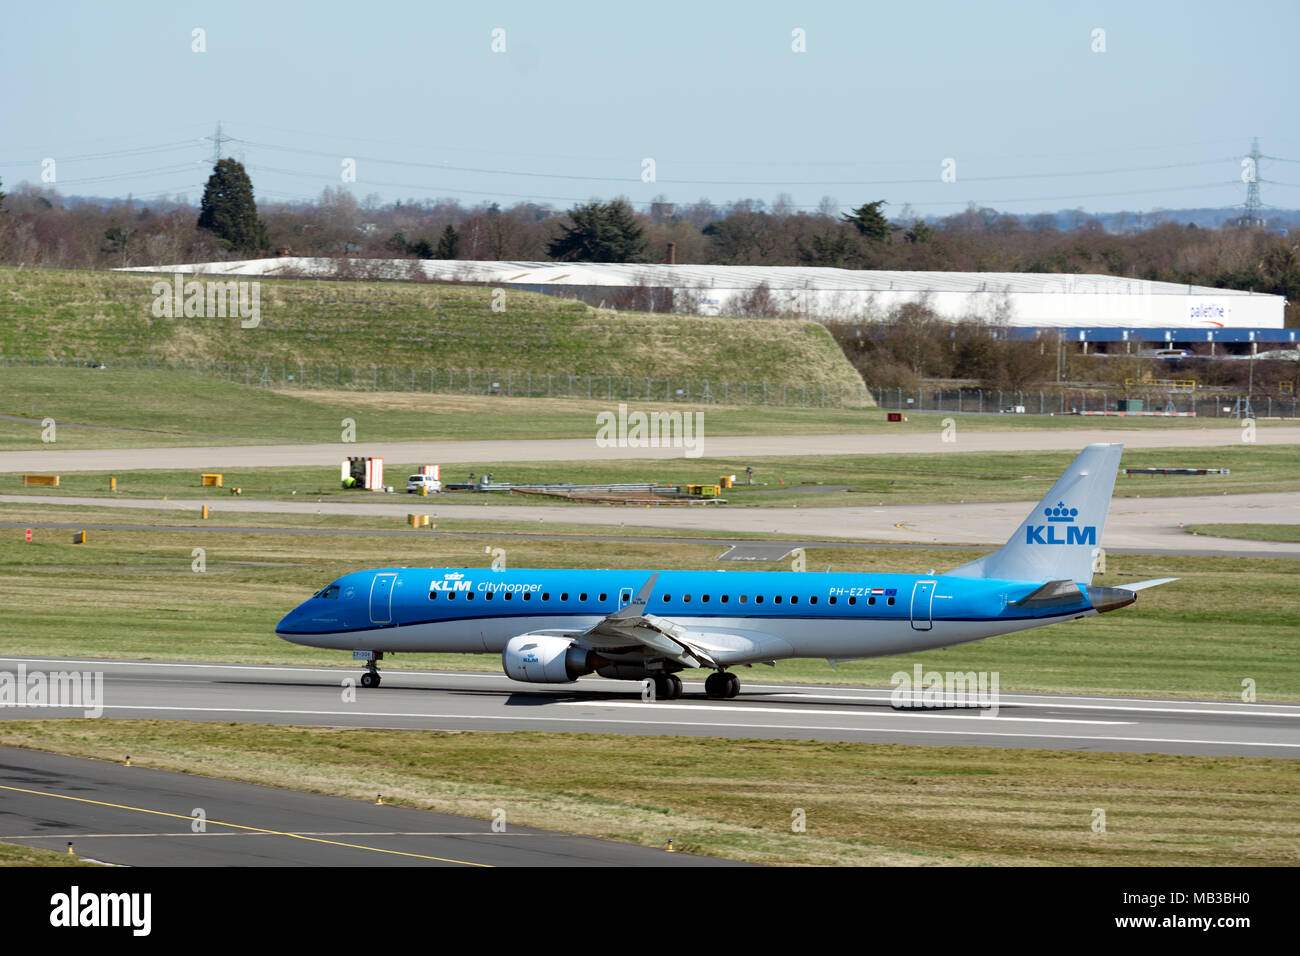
x=630, y=627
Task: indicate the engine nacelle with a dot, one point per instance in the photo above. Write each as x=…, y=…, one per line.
x=544, y=659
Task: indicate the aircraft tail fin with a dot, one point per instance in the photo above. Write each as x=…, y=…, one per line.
x=1059, y=539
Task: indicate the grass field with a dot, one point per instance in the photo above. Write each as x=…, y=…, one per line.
x=864, y=804
x=108, y=315
x=133, y=594
x=14, y=854
x=1249, y=532
x=118, y=408
x=848, y=479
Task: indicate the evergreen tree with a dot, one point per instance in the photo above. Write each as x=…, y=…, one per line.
x=870, y=221
x=601, y=232
x=421, y=249
x=919, y=232
x=448, y=244
x=397, y=243
x=2, y=197
x=831, y=250
x=229, y=210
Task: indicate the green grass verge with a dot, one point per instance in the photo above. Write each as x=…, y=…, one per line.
x=15, y=854
x=1249, y=532
x=177, y=515
x=140, y=409
x=80, y=314
x=864, y=804
x=856, y=479
x=133, y=594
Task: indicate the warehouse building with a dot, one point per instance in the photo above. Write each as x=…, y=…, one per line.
x=1086, y=308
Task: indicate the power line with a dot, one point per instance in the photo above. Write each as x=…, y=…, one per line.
x=112, y=154
x=733, y=163
x=628, y=180
x=115, y=177
x=1131, y=192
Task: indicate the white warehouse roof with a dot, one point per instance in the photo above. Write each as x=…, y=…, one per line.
x=1020, y=298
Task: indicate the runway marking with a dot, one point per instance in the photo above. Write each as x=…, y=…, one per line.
x=741, y=708
x=759, y=688
x=299, y=669
x=688, y=723
x=1004, y=702
x=188, y=833
x=240, y=826
x=750, y=709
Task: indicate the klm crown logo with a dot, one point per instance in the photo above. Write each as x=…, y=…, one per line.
x=1057, y=515
x=1061, y=513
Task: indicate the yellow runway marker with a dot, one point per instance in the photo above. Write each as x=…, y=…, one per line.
x=240, y=826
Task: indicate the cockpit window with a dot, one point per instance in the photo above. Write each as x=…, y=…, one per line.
x=330, y=593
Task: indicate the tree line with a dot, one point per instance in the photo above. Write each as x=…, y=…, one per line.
x=38, y=227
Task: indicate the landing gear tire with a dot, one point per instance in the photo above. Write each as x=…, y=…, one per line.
x=721, y=685
x=370, y=678
x=668, y=687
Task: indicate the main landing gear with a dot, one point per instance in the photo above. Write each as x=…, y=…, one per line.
x=668, y=687
x=721, y=685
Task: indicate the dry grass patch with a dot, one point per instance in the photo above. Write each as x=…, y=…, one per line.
x=865, y=804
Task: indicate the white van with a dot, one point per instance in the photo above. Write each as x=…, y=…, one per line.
x=416, y=482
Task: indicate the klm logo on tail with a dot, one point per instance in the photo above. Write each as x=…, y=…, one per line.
x=1057, y=516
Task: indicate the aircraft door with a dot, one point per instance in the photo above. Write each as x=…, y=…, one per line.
x=922, y=605
x=624, y=598
x=381, y=598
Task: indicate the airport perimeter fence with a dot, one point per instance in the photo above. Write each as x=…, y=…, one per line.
x=615, y=388
x=1085, y=402
x=370, y=378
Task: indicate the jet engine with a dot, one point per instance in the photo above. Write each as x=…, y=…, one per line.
x=544, y=659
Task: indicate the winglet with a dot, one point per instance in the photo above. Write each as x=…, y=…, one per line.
x=637, y=606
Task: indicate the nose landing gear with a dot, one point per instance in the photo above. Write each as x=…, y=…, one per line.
x=722, y=685
x=370, y=677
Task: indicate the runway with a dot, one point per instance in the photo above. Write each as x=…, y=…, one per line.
x=450, y=700
x=586, y=449
x=134, y=816
x=1142, y=525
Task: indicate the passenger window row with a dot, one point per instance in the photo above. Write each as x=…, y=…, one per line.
x=665, y=599
x=509, y=596
x=759, y=598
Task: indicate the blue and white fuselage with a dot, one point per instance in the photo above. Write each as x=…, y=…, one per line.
x=556, y=625
x=756, y=615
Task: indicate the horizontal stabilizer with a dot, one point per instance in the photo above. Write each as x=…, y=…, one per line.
x=1143, y=585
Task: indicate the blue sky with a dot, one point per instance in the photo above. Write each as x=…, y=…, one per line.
x=713, y=93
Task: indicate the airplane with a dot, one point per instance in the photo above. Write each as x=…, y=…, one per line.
x=554, y=626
